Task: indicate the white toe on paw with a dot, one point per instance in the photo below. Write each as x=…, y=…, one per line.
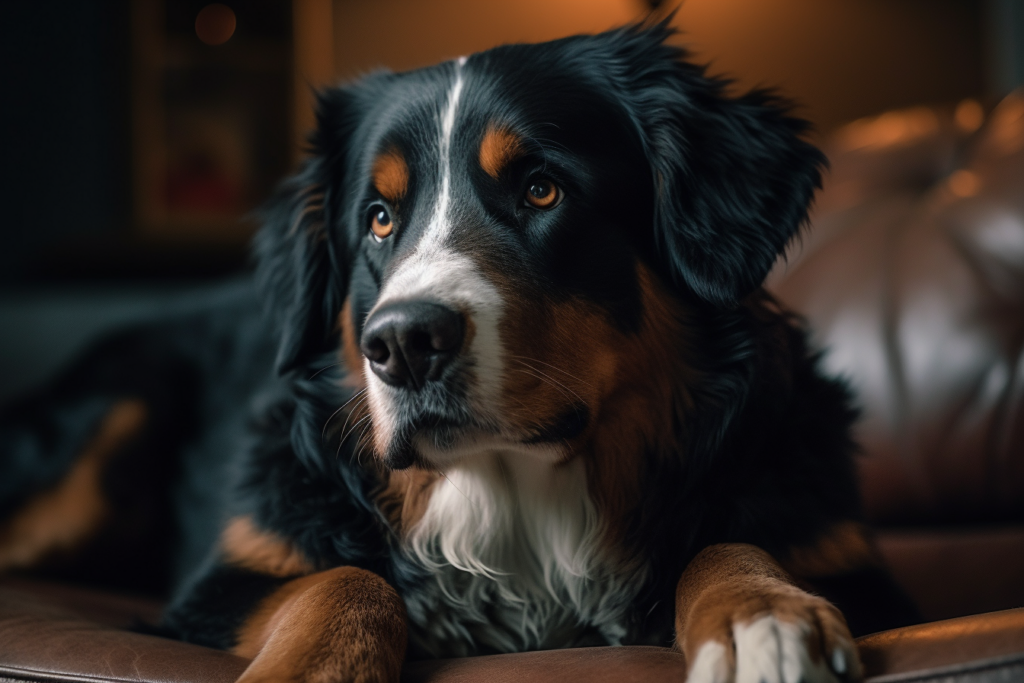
x=839, y=661
x=710, y=665
x=772, y=651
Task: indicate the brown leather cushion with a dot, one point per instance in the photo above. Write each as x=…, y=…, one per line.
x=46, y=634
x=591, y=664
x=45, y=641
x=955, y=572
x=913, y=279
x=53, y=640
x=981, y=640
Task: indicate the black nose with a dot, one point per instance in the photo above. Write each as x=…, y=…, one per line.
x=410, y=343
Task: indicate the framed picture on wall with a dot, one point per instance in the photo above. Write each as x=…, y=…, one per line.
x=212, y=115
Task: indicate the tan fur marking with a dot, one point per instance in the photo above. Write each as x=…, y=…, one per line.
x=651, y=378
x=734, y=583
x=245, y=545
x=570, y=353
x=352, y=419
x=391, y=175
x=70, y=513
x=344, y=624
x=845, y=548
x=405, y=497
x=351, y=356
x=499, y=148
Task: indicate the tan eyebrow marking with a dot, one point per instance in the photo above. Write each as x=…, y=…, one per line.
x=499, y=148
x=391, y=175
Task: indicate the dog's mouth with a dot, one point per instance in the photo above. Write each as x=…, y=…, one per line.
x=430, y=428
x=433, y=440
x=451, y=420
x=425, y=439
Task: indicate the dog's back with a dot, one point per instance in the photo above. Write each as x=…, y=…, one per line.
x=114, y=471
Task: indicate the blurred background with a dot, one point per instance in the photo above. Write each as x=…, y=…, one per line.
x=139, y=134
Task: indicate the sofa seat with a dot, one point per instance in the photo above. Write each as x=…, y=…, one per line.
x=56, y=633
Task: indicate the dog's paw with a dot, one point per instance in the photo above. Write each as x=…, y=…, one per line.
x=787, y=636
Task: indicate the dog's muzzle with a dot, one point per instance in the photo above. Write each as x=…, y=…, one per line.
x=410, y=343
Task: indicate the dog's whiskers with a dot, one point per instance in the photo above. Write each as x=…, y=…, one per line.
x=552, y=382
x=359, y=398
x=358, y=394
x=324, y=369
x=551, y=379
x=363, y=443
x=521, y=359
x=352, y=429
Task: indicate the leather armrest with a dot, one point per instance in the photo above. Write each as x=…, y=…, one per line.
x=50, y=632
x=978, y=642
x=53, y=634
x=590, y=664
x=40, y=641
x=979, y=649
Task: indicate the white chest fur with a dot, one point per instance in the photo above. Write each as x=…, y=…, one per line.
x=514, y=545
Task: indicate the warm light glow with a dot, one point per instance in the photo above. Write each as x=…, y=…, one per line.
x=1007, y=124
x=215, y=24
x=969, y=116
x=964, y=183
x=888, y=129
x=423, y=33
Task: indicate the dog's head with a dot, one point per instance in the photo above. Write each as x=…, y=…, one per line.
x=507, y=247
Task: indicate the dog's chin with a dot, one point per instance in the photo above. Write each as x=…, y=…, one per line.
x=427, y=451
x=437, y=448
x=444, y=450
x=440, y=444
x=401, y=454
x=429, y=446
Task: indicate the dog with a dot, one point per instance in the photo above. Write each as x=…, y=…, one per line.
x=508, y=380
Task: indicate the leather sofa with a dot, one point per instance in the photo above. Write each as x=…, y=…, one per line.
x=912, y=280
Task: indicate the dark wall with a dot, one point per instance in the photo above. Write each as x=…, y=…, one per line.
x=64, y=129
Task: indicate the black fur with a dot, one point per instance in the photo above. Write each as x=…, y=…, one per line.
x=704, y=189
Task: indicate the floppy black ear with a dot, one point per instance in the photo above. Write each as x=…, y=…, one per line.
x=302, y=254
x=733, y=178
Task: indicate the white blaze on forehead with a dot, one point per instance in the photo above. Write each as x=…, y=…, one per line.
x=437, y=272
x=440, y=224
x=434, y=269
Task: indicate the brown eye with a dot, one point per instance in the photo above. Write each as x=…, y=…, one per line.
x=543, y=194
x=381, y=225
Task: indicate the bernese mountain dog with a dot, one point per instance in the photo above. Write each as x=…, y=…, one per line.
x=508, y=379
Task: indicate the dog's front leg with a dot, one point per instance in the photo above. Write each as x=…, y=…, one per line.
x=345, y=625
x=739, y=617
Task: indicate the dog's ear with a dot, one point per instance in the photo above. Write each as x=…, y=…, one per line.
x=301, y=250
x=733, y=177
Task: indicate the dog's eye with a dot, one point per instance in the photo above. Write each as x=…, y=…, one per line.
x=381, y=225
x=543, y=194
